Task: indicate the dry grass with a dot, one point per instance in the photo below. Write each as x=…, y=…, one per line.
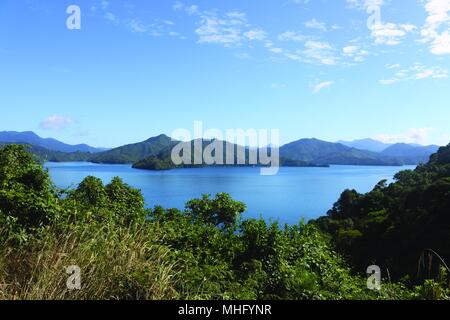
x=117, y=263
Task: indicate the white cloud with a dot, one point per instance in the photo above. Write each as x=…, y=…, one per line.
x=390, y=33
x=422, y=72
x=156, y=28
x=56, y=122
x=314, y=51
x=415, y=72
x=278, y=85
x=292, y=36
x=355, y=52
x=191, y=10
x=314, y=24
x=242, y=56
x=231, y=29
x=319, y=52
x=392, y=66
x=322, y=85
x=104, y=4
x=137, y=26
x=111, y=17
x=255, y=34
x=436, y=28
x=364, y=4
x=276, y=50
x=225, y=31
x=414, y=135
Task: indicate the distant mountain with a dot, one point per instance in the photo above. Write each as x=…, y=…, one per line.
x=133, y=153
x=409, y=154
x=31, y=138
x=45, y=155
x=154, y=153
x=366, y=144
x=322, y=152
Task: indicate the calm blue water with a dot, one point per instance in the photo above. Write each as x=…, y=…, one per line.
x=293, y=194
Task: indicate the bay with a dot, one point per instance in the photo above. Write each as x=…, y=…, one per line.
x=291, y=195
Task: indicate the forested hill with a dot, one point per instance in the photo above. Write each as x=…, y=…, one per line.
x=394, y=224
x=240, y=156
x=43, y=155
x=323, y=152
x=133, y=153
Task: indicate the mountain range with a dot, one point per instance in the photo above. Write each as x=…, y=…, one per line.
x=29, y=137
x=322, y=152
x=366, y=144
x=402, y=152
x=154, y=153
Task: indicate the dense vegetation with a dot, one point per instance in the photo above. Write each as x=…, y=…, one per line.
x=395, y=225
x=128, y=252
x=241, y=156
x=133, y=153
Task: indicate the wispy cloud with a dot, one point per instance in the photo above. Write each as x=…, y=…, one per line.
x=278, y=85
x=293, y=36
x=391, y=33
x=414, y=135
x=320, y=86
x=416, y=72
x=356, y=53
x=156, y=28
x=111, y=17
x=364, y=4
x=189, y=9
x=319, y=52
x=315, y=24
x=56, y=122
x=230, y=29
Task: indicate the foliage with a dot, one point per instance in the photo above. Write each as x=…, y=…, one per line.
x=203, y=252
x=325, y=153
x=27, y=198
x=393, y=224
x=135, y=152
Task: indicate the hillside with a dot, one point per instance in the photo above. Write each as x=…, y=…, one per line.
x=322, y=152
x=44, y=155
x=366, y=144
x=409, y=154
x=393, y=225
x=163, y=160
x=133, y=153
x=51, y=144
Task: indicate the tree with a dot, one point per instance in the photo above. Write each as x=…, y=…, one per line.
x=27, y=196
x=90, y=193
x=221, y=211
x=127, y=203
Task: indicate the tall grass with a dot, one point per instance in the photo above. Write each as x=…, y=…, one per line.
x=116, y=263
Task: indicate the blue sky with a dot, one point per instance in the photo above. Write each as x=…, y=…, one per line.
x=311, y=68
